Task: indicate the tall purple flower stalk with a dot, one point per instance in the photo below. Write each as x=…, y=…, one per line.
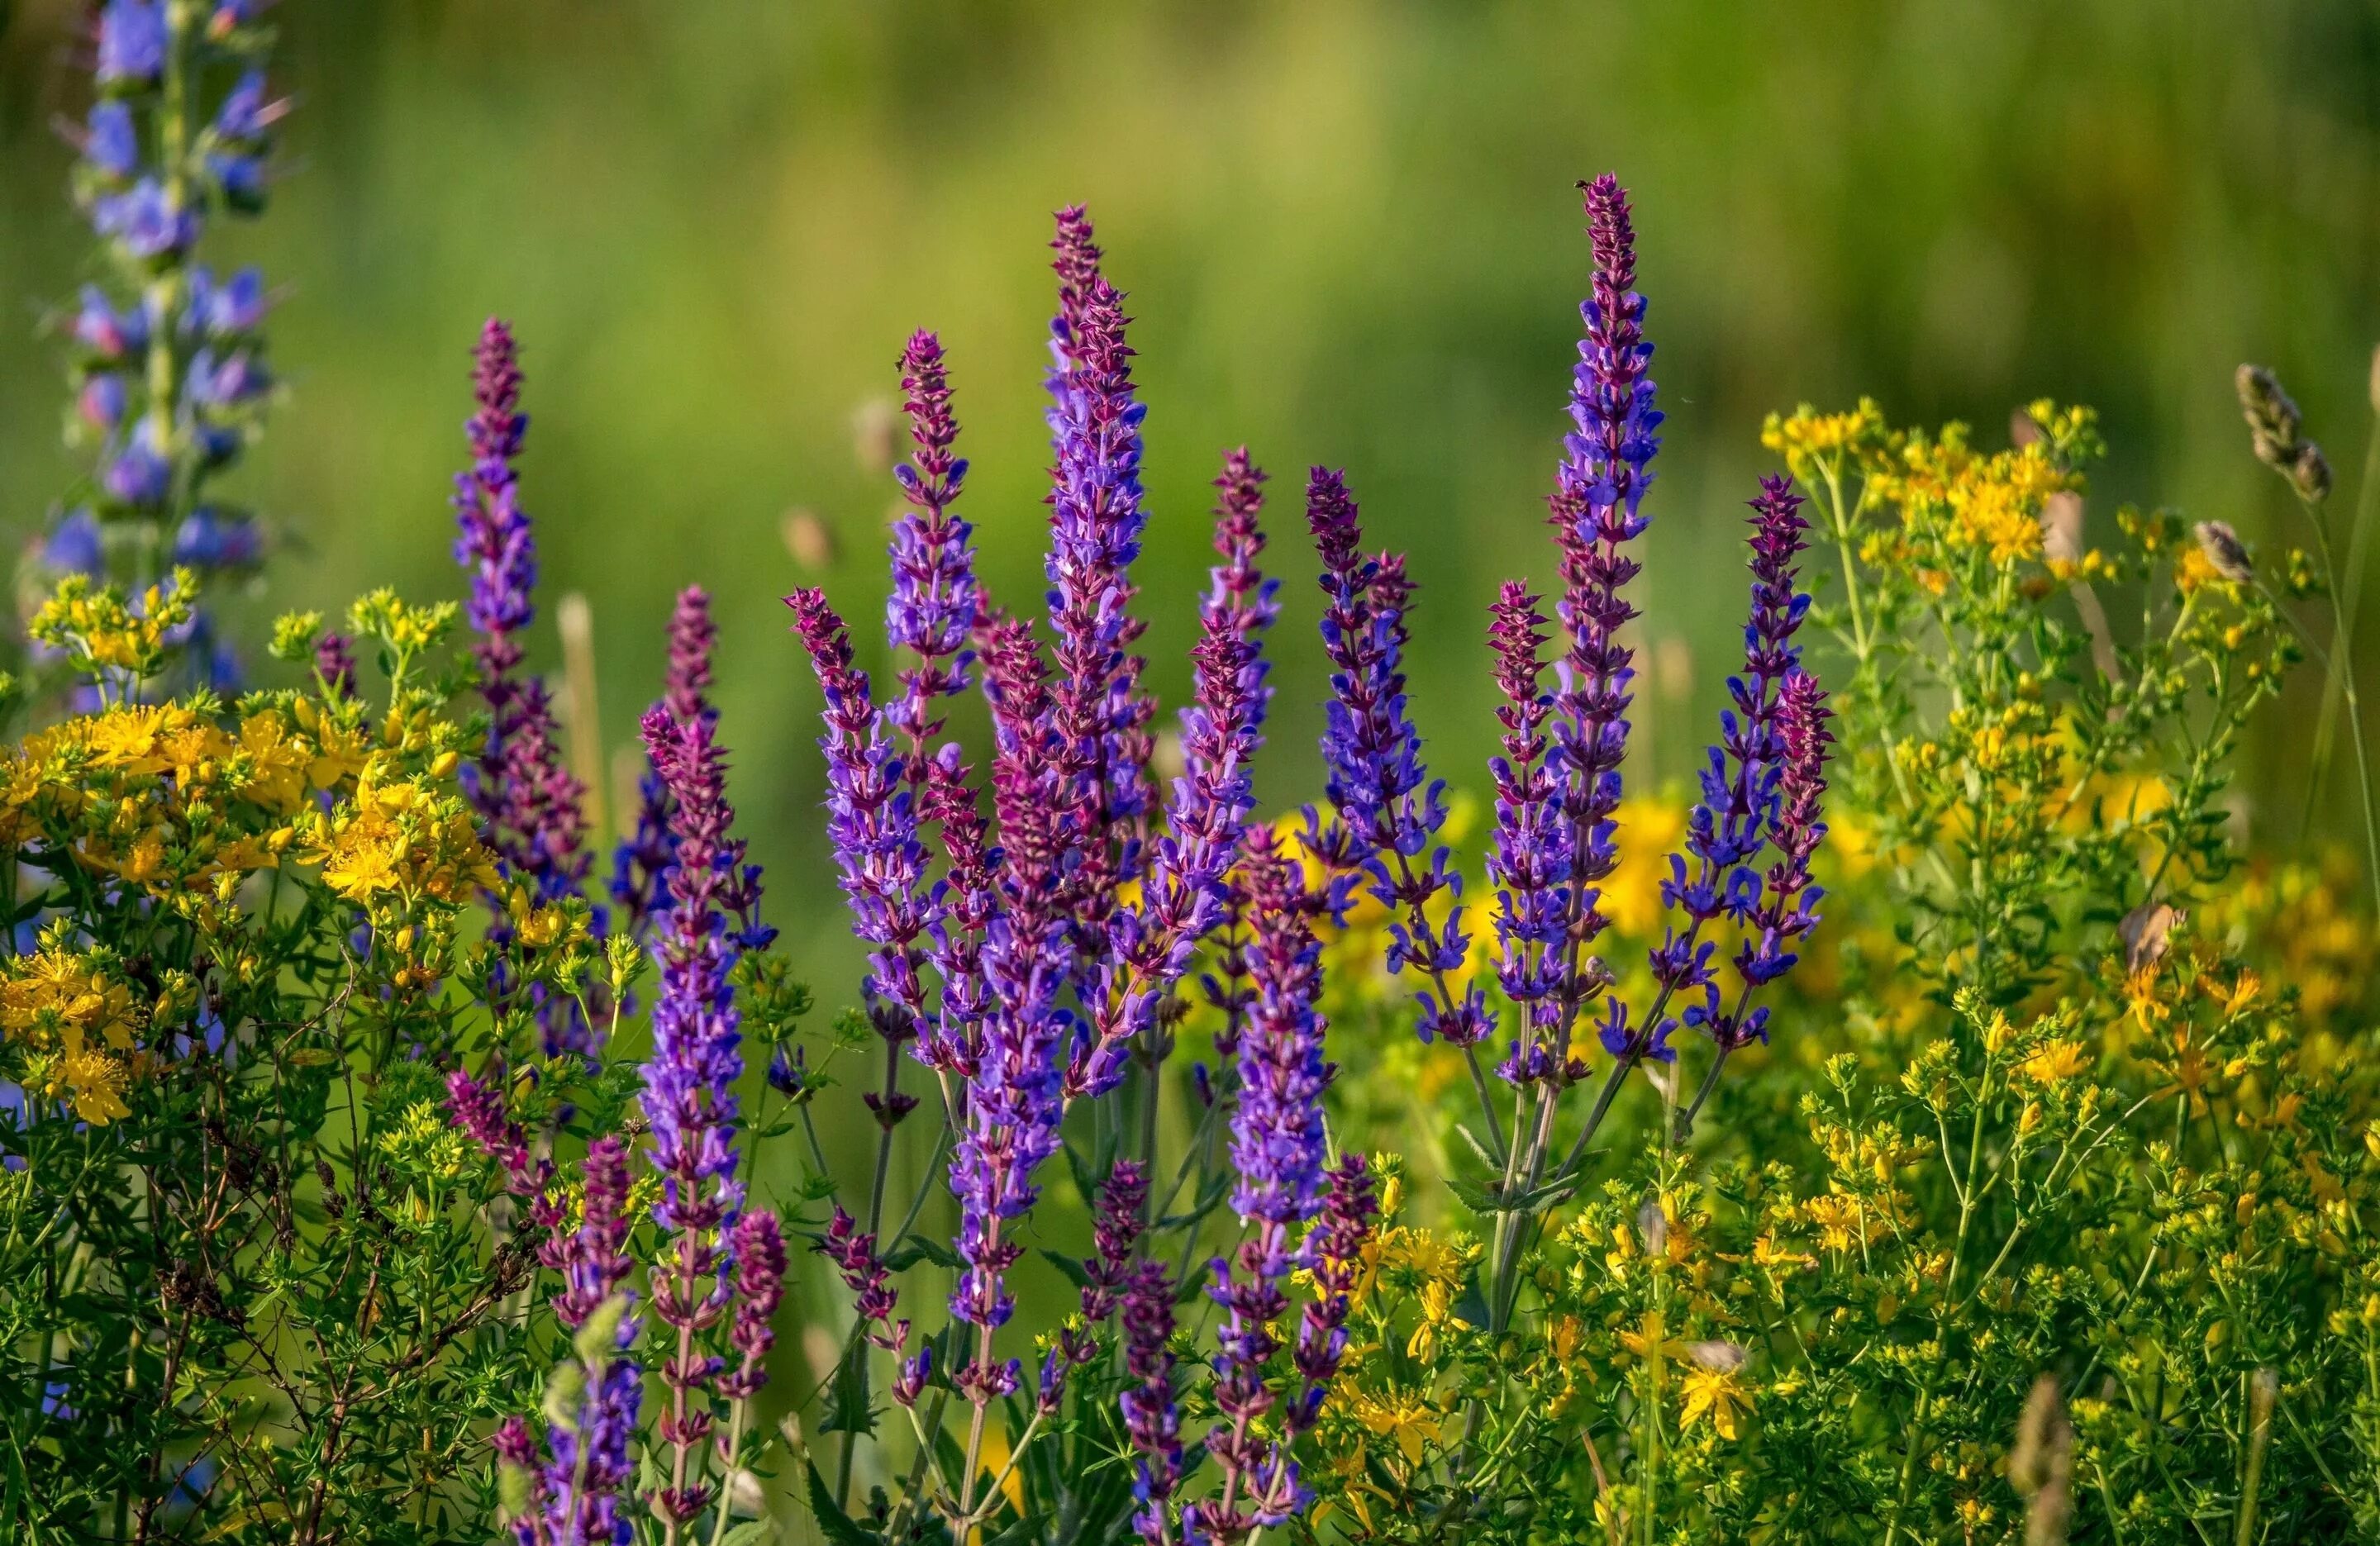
x=640, y=864
x=1123, y=1196
x=1387, y=813
x=934, y=603
x=871, y=821
x=1334, y=1254
x=1151, y=1419
x=1015, y=1098
x=1727, y=829
x=1278, y=1149
x=1596, y=513
x=529, y=806
x=1151, y=944
x=757, y=1244
x=1530, y=861
x=689, y=1096
x=1786, y=909
x=1238, y=589
x=575, y=1495
x=1099, y=711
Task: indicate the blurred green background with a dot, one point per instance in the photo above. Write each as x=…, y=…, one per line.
x=1350, y=235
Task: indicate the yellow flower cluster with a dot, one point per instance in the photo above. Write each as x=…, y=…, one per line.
x=166, y=796
x=1976, y=501
x=402, y=837
x=77, y=1021
x=1818, y=447
x=1990, y=501
x=102, y=632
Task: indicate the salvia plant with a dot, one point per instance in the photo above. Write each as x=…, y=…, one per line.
x=381, y=1160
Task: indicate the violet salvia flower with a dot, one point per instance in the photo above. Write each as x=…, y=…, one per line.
x=1728, y=827
x=1115, y=1231
x=530, y=806
x=1278, y=1147
x=478, y=1110
x=1387, y=819
x=1334, y=1254
x=640, y=864
x=1595, y=513
x=593, y=1260
x=757, y=1244
x=588, y=1467
x=1096, y=520
x=932, y=608
x=1239, y=590
x=1013, y=1098
x=952, y=1042
x=1150, y=944
x=1787, y=904
x=1149, y=1417
x=689, y=1095
x=1277, y=1144
x=1530, y=861
x=852, y=1251
x=871, y=820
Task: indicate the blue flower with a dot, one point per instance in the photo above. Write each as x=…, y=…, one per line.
x=132, y=42
x=145, y=219
x=112, y=144
x=74, y=547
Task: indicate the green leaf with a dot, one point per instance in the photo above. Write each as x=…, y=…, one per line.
x=921, y=1248
x=832, y=1522
x=751, y=1532
x=1075, y=1272
x=848, y=1406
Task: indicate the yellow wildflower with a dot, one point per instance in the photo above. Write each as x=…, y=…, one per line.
x=1407, y=1419
x=1713, y=1392
x=96, y=1084
x=1809, y=440
x=402, y=837
x=66, y=1007
x=2054, y=1062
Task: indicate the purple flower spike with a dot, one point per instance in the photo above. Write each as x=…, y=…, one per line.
x=1013, y=1098
x=1150, y=945
x=1278, y=1146
x=1150, y=1416
x=575, y=1495
x=1096, y=519
x=530, y=807
x=873, y=821
x=1531, y=862
x=1789, y=900
x=689, y=1096
x=1116, y=1231
x=932, y=608
x=1729, y=827
x=1277, y=1138
x=593, y=1260
x=640, y=864
x=1335, y=1255
x=1387, y=814
x=954, y=1042
x=757, y=1245
x=852, y=1251
x=1594, y=513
